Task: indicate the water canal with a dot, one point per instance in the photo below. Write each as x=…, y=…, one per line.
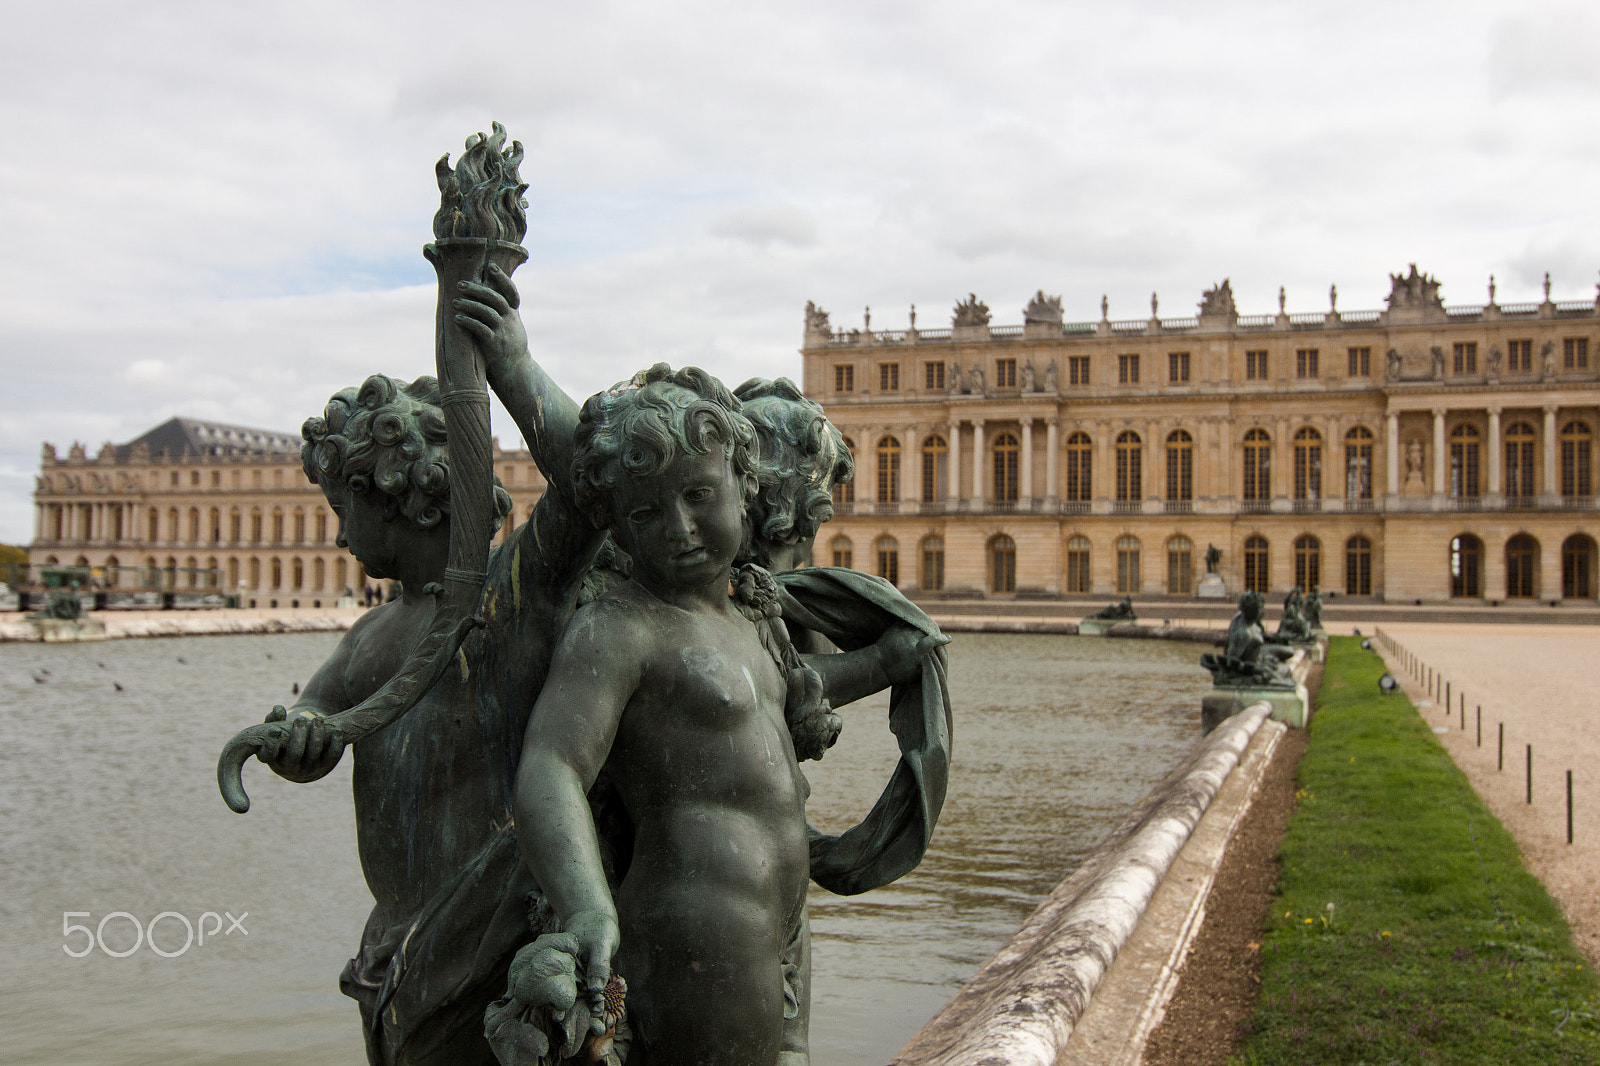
x=108, y=803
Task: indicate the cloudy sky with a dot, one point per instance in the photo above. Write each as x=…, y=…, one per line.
x=217, y=210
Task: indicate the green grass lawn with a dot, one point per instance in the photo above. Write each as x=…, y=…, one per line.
x=1406, y=928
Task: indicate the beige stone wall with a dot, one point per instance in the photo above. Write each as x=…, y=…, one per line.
x=1424, y=491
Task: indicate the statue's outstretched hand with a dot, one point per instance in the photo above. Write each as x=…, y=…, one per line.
x=489, y=313
x=307, y=750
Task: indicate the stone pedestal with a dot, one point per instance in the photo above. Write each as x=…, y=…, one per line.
x=1211, y=588
x=62, y=631
x=1094, y=627
x=1288, y=704
x=9, y=600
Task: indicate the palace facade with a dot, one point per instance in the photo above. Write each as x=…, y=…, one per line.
x=1418, y=453
x=195, y=505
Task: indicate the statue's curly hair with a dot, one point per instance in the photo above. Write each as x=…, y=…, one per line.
x=638, y=427
x=388, y=436
x=803, y=456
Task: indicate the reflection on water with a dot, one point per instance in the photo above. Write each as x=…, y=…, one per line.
x=108, y=802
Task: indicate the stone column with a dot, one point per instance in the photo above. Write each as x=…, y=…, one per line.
x=1391, y=453
x=910, y=465
x=1439, y=484
x=1552, y=473
x=952, y=468
x=977, y=464
x=1282, y=462
x=867, y=464
x=1494, y=451
x=1052, y=460
x=1104, y=463
x=1025, y=467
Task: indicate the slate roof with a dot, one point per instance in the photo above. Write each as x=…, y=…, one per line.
x=195, y=437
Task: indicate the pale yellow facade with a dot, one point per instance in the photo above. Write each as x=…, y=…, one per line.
x=1416, y=453
x=246, y=522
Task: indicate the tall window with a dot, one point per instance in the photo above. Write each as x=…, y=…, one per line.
x=935, y=467
x=1255, y=366
x=1305, y=363
x=1256, y=570
x=234, y=526
x=1577, y=567
x=1079, y=453
x=888, y=377
x=933, y=376
x=1466, y=566
x=1307, y=464
x=1519, y=460
x=1465, y=358
x=1358, y=566
x=1078, y=563
x=1358, y=464
x=1464, y=462
x=844, y=492
x=889, y=559
x=1575, y=353
x=255, y=527
x=1519, y=355
x=1180, y=566
x=889, y=470
x=1005, y=468
x=1003, y=564
x=843, y=555
x=194, y=525
x=1005, y=373
x=216, y=525
x=844, y=378
x=1522, y=567
x=1180, y=465
x=1128, y=369
x=1078, y=370
x=1177, y=367
x=1130, y=476
x=1307, y=562
x=1360, y=363
x=1577, y=451
x=322, y=528
x=1257, y=465
x=1128, y=579
x=299, y=526
x=933, y=563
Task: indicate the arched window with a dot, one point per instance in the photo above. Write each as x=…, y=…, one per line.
x=843, y=553
x=1078, y=563
x=319, y=574
x=1006, y=453
x=888, y=550
x=1577, y=567
x=300, y=526
x=297, y=574
x=1257, y=465
x=150, y=578
x=174, y=534
x=1307, y=464
x=932, y=563
x=1130, y=473
x=1256, y=569
x=113, y=572
x=277, y=525
x=935, y=469
x=1466, y=566
x=1080, y=452
x=341, y=578
x=1180, y=465
x=1577, y=452
x=212, y=574
x=1464, y=462
x=154, y=521
x=216, y=526
x=1358, y=566
x=1307, y=562
x=233, y=573
x=235, y=526
x=277, y=574
x=321, y=525
x=1128, y=576
x=845, y=492
x=194, y=525
x=1180, y=566
x=1522, y=567
x=1003, y=564
x=171, y=573
x=255, y=524
x=1358, y=464
x=1520, y=478
x=889, y=470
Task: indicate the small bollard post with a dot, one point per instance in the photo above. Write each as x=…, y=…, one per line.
x=1463, y=712
x=1530, y=773
x=1480, y=725
x=1447, y=699
x=1500, y=759
x=1569, y=806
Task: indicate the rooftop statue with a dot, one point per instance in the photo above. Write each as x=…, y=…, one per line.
x=1122, y=611
x=1042, y=308
x=1248, y=661
x=1218, y=301
x=817, y=319
x=1413, y=292
x=970, y=312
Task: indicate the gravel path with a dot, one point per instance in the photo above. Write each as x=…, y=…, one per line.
x=1543, y=683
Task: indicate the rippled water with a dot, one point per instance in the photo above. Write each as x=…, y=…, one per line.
x=108, y=802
